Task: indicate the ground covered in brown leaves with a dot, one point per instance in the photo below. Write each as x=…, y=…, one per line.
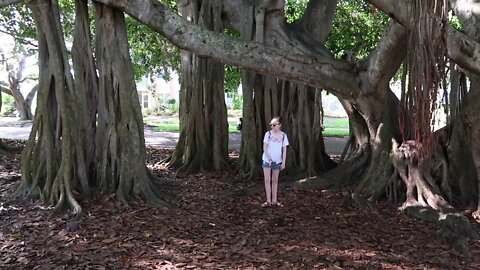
x=217, y=223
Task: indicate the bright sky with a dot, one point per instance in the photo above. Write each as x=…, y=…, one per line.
x=7, y=45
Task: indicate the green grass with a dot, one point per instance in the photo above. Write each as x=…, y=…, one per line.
x=232, y=128
x=331, y=122
x=172, y=124
x=333, y=126
x=335, y=132
x=167, y=127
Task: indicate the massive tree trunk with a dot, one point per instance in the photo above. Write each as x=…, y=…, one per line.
x=300, y=109
x=266, y=97
x=63, y=133
x=364, y=84
x=203, y=142
x=461, y=148
x=252, y=125
x=373, y=122
x=52, y=165
x=86, y=85
x=303, y=120
x=464, y=149
x=120, y=142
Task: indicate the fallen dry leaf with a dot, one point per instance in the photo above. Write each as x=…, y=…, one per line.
x=218, y=224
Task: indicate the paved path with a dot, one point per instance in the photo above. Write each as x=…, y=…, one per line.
x=333, y=145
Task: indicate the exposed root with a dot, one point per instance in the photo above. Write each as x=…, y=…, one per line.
x=476, y=215
x=424, y=199
x=340, y=176
x=250, y=174
x=152, y=197
x=361, y=201
x=66, y=201
x=186, y=161
x=5, y=148
x=455, y=229
x=348, y=146
x=139, y=183
x=415, y=173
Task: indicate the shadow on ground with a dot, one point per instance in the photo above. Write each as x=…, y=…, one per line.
x=217, y=226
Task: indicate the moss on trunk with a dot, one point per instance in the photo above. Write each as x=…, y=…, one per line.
x=86, y=85
x=51, y=163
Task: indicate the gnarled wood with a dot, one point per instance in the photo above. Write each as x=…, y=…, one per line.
x=415, y=173
x=51, y=162
x=203, y=142
x=298, y=105
x=86, y=85
x=120, y=142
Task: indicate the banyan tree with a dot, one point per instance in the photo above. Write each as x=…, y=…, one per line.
x=394, y=153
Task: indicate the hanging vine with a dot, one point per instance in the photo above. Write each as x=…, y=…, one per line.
x=427, y=69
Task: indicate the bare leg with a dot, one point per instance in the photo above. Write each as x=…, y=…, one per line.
x=275, y=174
x=268, y=189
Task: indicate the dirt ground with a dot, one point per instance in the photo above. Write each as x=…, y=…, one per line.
x=216, y=222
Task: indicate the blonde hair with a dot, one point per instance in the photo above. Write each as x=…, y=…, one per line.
x=277, y=119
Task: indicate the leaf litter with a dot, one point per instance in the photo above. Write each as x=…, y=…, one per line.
x=216, y=222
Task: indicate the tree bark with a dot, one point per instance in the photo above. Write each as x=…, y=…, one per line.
x=298, y=105
x=86, y=85
x=120, y=143
x=4, y=3
x=318, y=70
x=466, y=127
x=51, y=165
x=203, y=142
x=362, y=86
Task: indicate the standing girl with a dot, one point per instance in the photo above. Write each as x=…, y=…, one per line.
x=273, y=159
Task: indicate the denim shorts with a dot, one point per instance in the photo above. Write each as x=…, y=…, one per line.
x=274, y=165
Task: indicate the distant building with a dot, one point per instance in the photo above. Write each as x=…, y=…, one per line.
x=146, y=99
x=331, y=106
x=149, y=91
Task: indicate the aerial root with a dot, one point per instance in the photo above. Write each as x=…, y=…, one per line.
x=66, y=201
x=455, y=229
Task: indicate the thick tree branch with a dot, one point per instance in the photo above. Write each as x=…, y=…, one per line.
x=18, y=37
x=30, y=95
x=384, y=62
x=315, y=70
x=4, y=3
x=468, y=12
x=29, y=78
x=460, y=47
x=6, y=90
x=318, y=19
